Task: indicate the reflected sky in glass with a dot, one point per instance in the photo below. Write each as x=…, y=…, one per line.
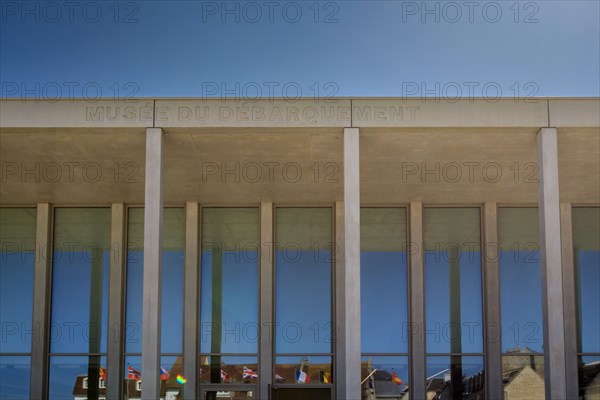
x=14, y=377
x=172, y=282
x=17, y=259
x=520, y=280
x=453, y=280
x=80, y=264
x=586, y=252
x=303, y=268
x=383, y=280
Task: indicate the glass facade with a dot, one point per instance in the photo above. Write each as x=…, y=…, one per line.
x=453, y=301
x=586, y=253
x=384, y=300
x=171, y=301
x=17, y=260
x=303, y=298
x=303, y=295
x=79, y=306
x=521, y=303
x=229, y=293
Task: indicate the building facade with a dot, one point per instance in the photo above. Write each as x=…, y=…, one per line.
x=348, y=248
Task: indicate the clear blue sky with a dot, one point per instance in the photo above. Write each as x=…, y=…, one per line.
x=343, y=48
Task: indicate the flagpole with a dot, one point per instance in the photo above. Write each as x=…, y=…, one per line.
x=368, y=376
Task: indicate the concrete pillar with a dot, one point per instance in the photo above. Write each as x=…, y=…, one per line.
x=191, y=304
x=41, y=303
x=551, y=262
x=493, y=343
x=152, y=294
x=266, y=300
x=349, y=359
x=116, y=302
x=417, y=302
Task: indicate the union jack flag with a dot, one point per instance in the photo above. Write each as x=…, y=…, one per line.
x=249, y=373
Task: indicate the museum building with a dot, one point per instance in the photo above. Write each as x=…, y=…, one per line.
x=343, y=248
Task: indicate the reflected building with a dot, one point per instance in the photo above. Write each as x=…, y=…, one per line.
x=343, y=248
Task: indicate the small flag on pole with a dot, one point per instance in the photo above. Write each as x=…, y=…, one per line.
x=396, y=379
x=164, y=375
x=302, y=377
x=325, y=377
x=133, y=373
x=249, y=373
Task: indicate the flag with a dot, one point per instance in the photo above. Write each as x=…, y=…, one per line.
x=302, y=377
x=396, y=379
x=249, y=373
x=133, y=373
x=279, y=378
x=325, y=377
x=181, y=380
x=102, y=373
x=224, y=376
x=164, y=375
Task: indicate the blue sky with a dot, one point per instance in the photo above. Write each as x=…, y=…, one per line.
x=302, y=48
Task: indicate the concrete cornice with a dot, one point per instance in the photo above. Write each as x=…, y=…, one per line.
x=362, y=112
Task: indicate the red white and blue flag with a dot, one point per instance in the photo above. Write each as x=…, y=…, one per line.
x=302, y=377
x=133, y=373
x=249, y=373
x=164, y=375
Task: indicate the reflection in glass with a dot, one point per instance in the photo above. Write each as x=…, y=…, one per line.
x=77, y=377
x=586, y=251
x=303, y=268
x=229, y=292
x=229, y=394
x=17, y=258
x=455, y=377
x=172, y=280
x=303, y=370
x=384, y=377
x=523, y=377
x=383, y=279
x=14, y=377
x=520, y=280
x=229, y=369
x=453, y=302
x=589, y=377
x=80, y=280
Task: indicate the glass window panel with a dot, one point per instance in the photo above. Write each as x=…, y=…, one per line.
x=589, y=377
x=229, y=369
x=453, y=302
x=133, y=376
x=520, y=280
x=17, y=259
x=303, y=370
x=77, y=377
x=229, y=292
x=523, y=377
x=172, y=280
x=171, y=369
x=383, y=274
x=384, y=376
x=14, y=377
x=455, y=377
x=80, y=280
x=586, y=251
x=303, y=257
